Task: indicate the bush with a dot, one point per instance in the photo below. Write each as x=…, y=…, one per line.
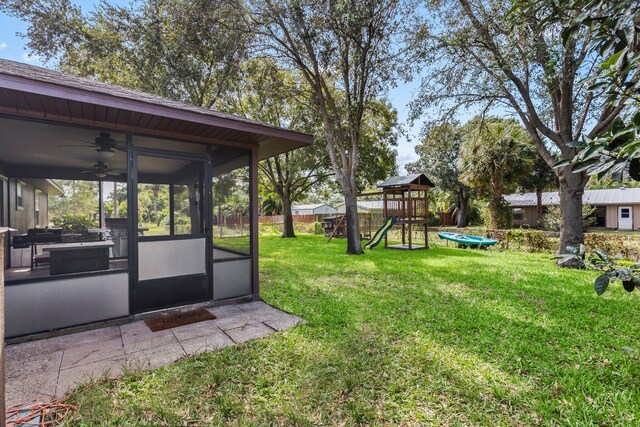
x=497, y=214
x=533, y=240
x=551, y=219
x=609, y=243
x=434, y=220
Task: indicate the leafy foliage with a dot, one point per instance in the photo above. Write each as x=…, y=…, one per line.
x=439, y=158
x=614, y=30
x=551, y=219
x=601, y=261
x=348, y=53
x=149, y=45
x=494, y=154
x=497, y=54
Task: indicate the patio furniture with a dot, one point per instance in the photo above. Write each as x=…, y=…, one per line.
x=78, y=257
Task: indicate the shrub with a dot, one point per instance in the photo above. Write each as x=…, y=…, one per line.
x=497, y=214
x=533, y=240
x=601, y=261
x=609, y=243
x=434, y=220
x=551, y=219
x=74, y=224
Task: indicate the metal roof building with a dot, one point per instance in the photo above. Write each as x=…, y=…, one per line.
x=616, y=208
x=313, y=209
x=609, y=196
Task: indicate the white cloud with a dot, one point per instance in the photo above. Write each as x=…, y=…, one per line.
x=3, y=45
x=31, y=58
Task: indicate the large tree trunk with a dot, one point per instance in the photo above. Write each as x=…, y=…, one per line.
x=354, y=246
x=571, y=191
x=463, y=208
x=287, y=216
x=538, y=207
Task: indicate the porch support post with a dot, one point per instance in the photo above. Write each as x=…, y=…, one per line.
x=132, y=224
x=253, y=171
x=2, y=393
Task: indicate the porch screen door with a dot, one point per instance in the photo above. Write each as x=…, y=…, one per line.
x=173, y=247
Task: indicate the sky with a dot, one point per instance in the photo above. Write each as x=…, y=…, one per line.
x=14, y=48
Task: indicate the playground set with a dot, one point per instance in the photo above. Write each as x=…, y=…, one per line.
x=406, y=206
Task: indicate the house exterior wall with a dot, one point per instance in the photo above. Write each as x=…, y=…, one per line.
x=636, y=217
x=528, y=217
x=24, y=218
x=302, y=211
x=611, y=219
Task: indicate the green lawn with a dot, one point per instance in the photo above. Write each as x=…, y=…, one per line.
x=438, y=337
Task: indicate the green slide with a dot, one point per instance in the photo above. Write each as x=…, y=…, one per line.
x=387, y=225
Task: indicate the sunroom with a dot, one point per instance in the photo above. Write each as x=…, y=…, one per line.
x=123, y=203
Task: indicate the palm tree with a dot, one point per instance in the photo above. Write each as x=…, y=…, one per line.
x=495, y=153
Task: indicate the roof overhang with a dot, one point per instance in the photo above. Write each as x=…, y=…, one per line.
x=38, y=93
x=48, y=186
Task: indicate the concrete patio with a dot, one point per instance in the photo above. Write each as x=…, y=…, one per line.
x=46, y=369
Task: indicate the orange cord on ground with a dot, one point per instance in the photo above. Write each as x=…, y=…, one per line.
x=50, y=414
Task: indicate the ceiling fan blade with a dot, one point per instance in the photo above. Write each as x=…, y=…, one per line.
x=113, y=173
x=78, y=140
x=91, y=171
x=76, y=146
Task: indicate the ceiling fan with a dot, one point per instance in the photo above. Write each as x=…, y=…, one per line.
x=104, y=145
x=102, y=170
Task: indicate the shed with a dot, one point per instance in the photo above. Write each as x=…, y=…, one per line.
x=313, y=209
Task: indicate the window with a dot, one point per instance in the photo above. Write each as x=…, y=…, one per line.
x=36, y=203
x=517, y=214
x=19, y=200
x=169, y=196
x=625, y=213
x=231, y=204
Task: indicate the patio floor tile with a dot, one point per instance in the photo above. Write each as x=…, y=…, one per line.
x=72, y=377
x=154, y=357
x=249, y=331
x=195, y=330
x=206, y=343
x=46, y=369
x=92, y=352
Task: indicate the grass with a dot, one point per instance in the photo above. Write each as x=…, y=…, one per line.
x=438, y=337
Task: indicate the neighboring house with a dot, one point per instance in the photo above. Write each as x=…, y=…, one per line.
x=616, y=208
x=316, y=209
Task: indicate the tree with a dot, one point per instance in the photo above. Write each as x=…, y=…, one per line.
x=489, y=54
x=270, y=94
x=348, y=53
x=439, y=158
x=494, y=155
x=616, y=29
x=540, y=178
x=150, y=45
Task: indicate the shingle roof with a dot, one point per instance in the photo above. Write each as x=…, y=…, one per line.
x=62, y=79
x=612, y=196
x=36, y=92
x=416, y=178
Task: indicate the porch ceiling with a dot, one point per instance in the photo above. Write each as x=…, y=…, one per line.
x=35, y=92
